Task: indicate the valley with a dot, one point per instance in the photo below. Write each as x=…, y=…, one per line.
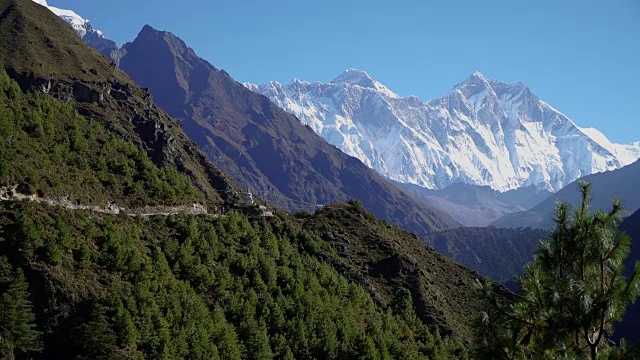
x=152, y=206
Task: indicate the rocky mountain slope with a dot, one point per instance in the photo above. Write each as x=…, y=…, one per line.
x=387, y=259
x=484, y=132
x=259, y=145
x=621, y=184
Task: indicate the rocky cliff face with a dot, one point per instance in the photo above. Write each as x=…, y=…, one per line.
x=261, y=146
x=484, y=132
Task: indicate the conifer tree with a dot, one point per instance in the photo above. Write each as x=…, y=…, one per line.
x=573, y=293
x=17, y=320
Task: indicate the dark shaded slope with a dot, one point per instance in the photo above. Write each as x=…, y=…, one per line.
x=43, y=54
x=386, y=259
x=630, y=327
x=621, y=184
x=259, y=145
x=500, y=254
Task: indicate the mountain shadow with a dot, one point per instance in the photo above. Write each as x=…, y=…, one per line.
x=262, y=147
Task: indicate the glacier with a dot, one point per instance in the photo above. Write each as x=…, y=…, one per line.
x=483, y=132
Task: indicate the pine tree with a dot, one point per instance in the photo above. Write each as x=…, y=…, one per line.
x=572, y=294
x=17, y=320
x=96, y=339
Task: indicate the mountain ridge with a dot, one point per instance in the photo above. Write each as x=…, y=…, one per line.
x=95, y=38
x=261, y=146
x=422, y=143
x=474, y=206
x=607, y=186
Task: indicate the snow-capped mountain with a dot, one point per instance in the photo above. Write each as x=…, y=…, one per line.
x=484, y=132
x=94, y=38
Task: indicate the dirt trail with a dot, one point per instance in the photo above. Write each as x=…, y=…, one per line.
x=11, y=193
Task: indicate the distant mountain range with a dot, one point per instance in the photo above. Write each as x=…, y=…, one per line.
x=478, y=205
x=617, y=184
x=505, y=122
x=484, y=132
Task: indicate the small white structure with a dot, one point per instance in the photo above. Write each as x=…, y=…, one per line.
x=248, y=198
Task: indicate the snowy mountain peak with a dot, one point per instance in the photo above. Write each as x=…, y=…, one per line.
x=297, y=82
x=83, y=28
x=477, y=79
x=355, y=77
x=484, y=132
x=78, y=23
x=477, y=75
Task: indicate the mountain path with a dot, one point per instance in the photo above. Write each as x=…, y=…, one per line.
x=11, y=193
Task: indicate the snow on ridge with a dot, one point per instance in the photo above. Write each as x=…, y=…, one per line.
x=361, y=78
x=79, y=24
x=483, y=132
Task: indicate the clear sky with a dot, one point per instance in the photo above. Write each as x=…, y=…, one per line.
x=581, y=56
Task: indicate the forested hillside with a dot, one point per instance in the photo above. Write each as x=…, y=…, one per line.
x=44, y=55
x=51, y=151
x=80, y=284
x=188, y=287
x=89, y=285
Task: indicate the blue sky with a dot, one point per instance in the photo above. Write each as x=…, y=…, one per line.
x=582, y=57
